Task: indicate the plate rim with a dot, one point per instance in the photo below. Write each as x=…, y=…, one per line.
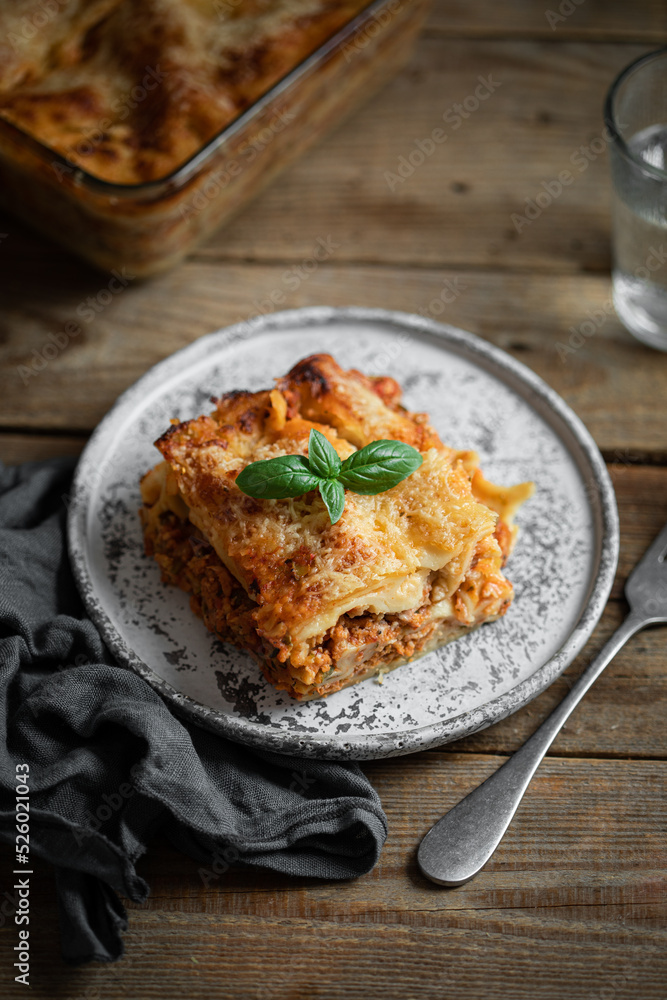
x=379, y=745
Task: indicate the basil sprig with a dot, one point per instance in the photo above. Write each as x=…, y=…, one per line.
x=373, y=469
x=278, y=478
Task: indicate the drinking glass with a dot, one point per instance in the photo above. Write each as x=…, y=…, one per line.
x=636, y=117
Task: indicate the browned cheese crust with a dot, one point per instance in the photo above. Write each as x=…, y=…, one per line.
x=322, y=605
x=131, y=89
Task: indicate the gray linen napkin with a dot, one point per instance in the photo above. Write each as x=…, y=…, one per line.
x=110, y=766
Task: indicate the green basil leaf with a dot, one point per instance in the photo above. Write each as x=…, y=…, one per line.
x=277, y=478
x=322, y=456
x=333, y=494
x=379, y=466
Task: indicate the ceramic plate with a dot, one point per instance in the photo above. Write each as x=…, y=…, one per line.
x=478, y=397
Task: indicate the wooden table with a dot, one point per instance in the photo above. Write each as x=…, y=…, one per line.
x=573, y=905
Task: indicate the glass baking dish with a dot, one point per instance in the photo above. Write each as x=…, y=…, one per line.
x=148, y=227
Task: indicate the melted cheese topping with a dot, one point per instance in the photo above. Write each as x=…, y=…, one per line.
x=303, y=572
x=130, y=89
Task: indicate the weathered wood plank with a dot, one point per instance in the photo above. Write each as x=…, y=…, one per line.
x=543, y=104
x=228, y=957
x=288, y=959
x=456, y=206
x=581, y=876
x=613, y=810
x=641, y=493
x=536, y=317
x=17, y=448
x=592, y=20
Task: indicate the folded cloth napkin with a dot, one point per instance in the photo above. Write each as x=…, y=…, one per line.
x=110, y=766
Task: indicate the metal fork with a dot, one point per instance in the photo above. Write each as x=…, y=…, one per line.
x=461, y=843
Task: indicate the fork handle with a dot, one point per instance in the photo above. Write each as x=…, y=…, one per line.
x=461, y=843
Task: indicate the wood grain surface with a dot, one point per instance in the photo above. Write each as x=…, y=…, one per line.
x=573, y=906
x=591, y=20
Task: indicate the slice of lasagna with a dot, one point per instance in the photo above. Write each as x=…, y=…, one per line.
x=322, y=606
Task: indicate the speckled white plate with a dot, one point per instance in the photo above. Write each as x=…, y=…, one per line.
x=478, y=397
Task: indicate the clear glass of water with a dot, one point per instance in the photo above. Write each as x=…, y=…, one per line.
x=636, y=117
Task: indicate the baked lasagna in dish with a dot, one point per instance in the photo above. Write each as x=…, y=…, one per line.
x=320, y=605
x=131, y=89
